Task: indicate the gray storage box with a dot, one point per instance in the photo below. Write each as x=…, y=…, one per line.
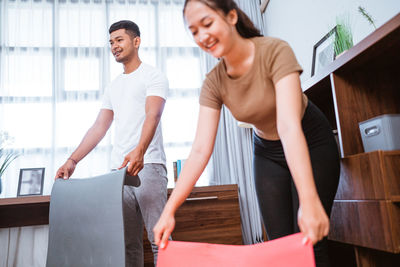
x=381, y=133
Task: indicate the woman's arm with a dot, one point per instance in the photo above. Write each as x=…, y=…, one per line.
x=194, y=165
x=312, y=219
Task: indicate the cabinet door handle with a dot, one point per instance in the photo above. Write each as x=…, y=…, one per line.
x=201, y=198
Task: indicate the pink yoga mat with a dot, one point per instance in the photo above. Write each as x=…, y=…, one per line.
x=286, y=251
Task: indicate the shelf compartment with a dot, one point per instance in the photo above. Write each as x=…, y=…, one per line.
x=359, y=96
x=368, y=223
x=370, y=176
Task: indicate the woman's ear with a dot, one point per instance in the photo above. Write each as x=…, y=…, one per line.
x=232, y=17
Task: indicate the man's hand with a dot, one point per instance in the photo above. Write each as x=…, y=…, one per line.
x=66, y=170
x=135, y=160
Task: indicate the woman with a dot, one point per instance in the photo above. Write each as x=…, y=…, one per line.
x=296, y=162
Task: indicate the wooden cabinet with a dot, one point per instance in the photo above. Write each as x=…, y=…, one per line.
x=210, y=214
x=24, y=211
x=361, y=84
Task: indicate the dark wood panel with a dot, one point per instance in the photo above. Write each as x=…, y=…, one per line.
x=341, y=255
x=211, y=221
x=24, y=211
x=394, y=220
x=210, y=214
x=367, y=176
x=365, y=223
x=373, y=258
x=392, y=174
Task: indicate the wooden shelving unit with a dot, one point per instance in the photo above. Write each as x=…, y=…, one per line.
x=361, y=84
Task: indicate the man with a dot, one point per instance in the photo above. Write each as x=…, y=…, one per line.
x=135, y=101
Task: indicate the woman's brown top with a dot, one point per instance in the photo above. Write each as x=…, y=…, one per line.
x=251, y=97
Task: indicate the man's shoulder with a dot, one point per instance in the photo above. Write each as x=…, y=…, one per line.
x=115, y=80
x=147, y=68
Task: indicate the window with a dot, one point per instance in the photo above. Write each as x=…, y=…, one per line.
x=54, y=65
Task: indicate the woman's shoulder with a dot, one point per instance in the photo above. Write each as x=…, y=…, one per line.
x=267, y=43
x=214, y=75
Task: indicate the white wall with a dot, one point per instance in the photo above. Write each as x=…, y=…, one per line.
x=303, y=23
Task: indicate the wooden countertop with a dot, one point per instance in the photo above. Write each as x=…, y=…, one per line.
x=34, y=210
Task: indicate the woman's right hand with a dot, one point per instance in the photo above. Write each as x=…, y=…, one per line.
x=163, y=229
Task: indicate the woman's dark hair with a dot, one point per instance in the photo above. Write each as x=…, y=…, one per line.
x=244, y=25
x=130, y=27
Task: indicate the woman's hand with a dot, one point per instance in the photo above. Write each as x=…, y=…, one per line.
x=163, y=229
x=313, y=221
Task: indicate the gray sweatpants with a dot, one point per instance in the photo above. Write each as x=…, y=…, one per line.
x=143, y=204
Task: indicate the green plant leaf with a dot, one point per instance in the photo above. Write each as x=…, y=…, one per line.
x=343, y=36
x=6, y=162
x=367, y=16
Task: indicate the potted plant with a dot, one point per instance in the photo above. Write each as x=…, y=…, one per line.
x=5, y=157
x=344, y=35
x=367, y=16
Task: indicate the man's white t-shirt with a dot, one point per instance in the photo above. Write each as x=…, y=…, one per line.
x=126, y=97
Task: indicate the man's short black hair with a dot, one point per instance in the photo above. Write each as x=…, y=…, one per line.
x=130, y=27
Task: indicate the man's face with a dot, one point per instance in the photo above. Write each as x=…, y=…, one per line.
x=123, y=46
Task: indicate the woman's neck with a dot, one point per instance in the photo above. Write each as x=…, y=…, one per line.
x=240, y=57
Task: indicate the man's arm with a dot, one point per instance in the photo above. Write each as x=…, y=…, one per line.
x=89, y=141
x=154, y=108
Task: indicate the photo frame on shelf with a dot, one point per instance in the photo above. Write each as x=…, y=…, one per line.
x=323, y=52
x=263, y=5
x=30, y=181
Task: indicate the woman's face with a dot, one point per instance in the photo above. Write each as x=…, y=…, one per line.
x=211, y=30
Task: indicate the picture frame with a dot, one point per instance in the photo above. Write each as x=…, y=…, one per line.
x=30, y=181
x=263, y=5
x=323, y=52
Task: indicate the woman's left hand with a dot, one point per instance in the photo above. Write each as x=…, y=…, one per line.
x=313, y=221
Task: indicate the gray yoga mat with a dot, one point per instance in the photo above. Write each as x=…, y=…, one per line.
x=86, y=221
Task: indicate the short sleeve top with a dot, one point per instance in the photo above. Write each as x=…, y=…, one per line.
x=251, y=97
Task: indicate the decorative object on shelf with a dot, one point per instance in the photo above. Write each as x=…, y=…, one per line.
x=323, y=52
x=344, y=35
x=367, y=16
x=177, y=166
x=381, y=133
x=5, y=157
x=263, y=5
x=30, y=181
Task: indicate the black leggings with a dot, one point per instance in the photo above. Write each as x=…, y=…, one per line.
x=276, y=192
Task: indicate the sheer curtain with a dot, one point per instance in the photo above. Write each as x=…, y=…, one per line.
x=232, y=157
x=54, y=65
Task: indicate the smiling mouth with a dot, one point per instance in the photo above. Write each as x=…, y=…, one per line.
x=210, y=45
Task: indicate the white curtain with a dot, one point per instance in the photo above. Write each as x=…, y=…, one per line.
x=232, y=157
x=54, y=65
